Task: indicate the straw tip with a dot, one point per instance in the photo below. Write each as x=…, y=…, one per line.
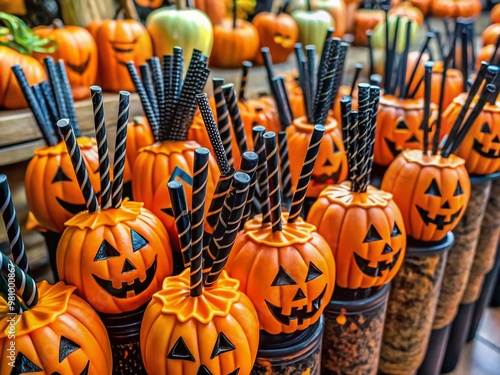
x=269, y=135
x=177, y=49
x=358, y=66
x=95, y=88
x=3, y=179
x=310, y=47
x=250, y=156
x=247, y=64
x=319, y=128
x=175, y=185
x=200, y=96
x=228, y=86
x=124, y=93
x=202, y=151
x=264, y=50
x=241, y=180
x=63, y=123
x=259, y=128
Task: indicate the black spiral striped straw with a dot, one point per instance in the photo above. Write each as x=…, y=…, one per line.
x=339, y=72
x=273, y=180
x=262, y=175
x=285, y=175
x=51, y=105
x=304, y=80
x=371, y=62
x=120, y=148
x=177, y=73
x=200, y=177
x=155, y=68
x=305, y=173
x=268, y=64
x=17, y=307
x=246, y=66
x=8, y=212
x=311, y=67
x=224, y=183
x=25, y=285
x=325, y=53
x=249, y=162
x=148, y=87
x=240, y=187
x=223, y=122
x=345, y=110
x=354, y=153
x=282, y=103
x=55, y=83
x=237, y=122
x=201, y=80
x=37, y=92
x=427, y=104
x=146, y=104
x=182, y=219
x=166, y=109
x=102, y=146
x=374, y=101
x=78, y=164
x=68, y=96
x=357, y=71
x=47, y=130
x=364, y=112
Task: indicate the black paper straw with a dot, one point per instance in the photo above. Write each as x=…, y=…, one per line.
x=102, y=146
x=285, y=175
x=427, y=103
x=120, y=148
x=182, y=219
x=57, y=87
x=262, y=176
x=369, y=34
x=305, y=173
x=374, y=101
x=249, y=162
x=357, y=70
x=148, y=87
x=339, y=72
x=68, y=96
x=8, y=211
x=234, y=111
x=51, y=105
x=23, y=282
x=223, y=122
x=423, y=48
x=404, y=62
x=244, y=77
x=37, y=92
x=268, y=63
x=325, y=52
x=200, y=177
x=465, y=61
x=273, y=180
x=310, y=64
x=166, y=109
x=285, y=116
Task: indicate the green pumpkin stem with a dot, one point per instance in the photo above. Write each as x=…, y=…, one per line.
x=309, y=8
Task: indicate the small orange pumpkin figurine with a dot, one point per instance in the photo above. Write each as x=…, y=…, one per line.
x=277, y=32
x=44, y=328
x=78, y=49
x=235, y=41
x=118, y=42
x=362, y=224
x=209, y=325
x=169, y=113
x=284, y=266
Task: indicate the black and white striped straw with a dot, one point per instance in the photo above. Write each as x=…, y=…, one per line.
x=120, y=148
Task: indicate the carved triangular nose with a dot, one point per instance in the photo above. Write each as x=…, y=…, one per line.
x=299, y=295
x=496, y=140
x=445, y=205
x=387, y=249
x=128, y=266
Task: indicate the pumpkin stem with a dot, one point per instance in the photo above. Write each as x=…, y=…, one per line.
x=235, y=9
x=57, y=24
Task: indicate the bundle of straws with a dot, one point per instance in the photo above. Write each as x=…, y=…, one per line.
x=168, y=98
x=358, y=130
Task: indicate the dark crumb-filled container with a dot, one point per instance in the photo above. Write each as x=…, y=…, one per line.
x=297, y=353
x=411, y=307
x=353, y=334
x=124, y=335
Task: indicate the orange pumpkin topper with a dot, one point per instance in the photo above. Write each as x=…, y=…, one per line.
x=440, y=192
x=362, y=224
x=44, y=328
x=76, y=46
x=235, y=41
x=283, y=265
x=278, y=32
x=118, y=42
x=214, y=9
x=455, y=8
x=170, y=114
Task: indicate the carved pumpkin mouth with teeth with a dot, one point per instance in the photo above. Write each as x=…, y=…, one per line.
x=440, y=220
x=490, y=154
x=384, y=265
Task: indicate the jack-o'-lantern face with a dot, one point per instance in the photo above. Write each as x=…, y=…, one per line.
x=431, y=191
x=489, y=147
x=52, y=190
x=124, y=255
x=331, y=164
x=399, y=127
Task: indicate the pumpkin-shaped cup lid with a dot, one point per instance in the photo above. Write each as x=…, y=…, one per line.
x=129, y=211
x=341, y=194
x=417, y=156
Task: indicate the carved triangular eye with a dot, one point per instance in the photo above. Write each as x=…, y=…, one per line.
x=222, y=345
x=138, y=242
x=60, y=176
x=24, y=366
x=180, y=351
x=327, y=163
x=283, y=278
x=401, y=125
x=372, y=235
x=433, y=189
x=395, y=231
x=66, y=347
x=458, y=190
x=335, y=147
x=106, y=251
x=485, y=128
x=313, y=272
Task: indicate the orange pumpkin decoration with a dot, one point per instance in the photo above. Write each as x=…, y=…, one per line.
x=289, y=275
x=481, y=146
x=12, y=96
x=485, y=54
x=139, y=135
x=490, y=34
x=278, y=32
x=398, y=127
x=119, y=41
x=336, y=8
x=59, y=198
x=406, y=9
x=76, y=46
x=365, y=231
x=235, y=41
x=364, y=20
x=495, y=14
x=214, y=9
x=455, y=8
x=331, y=164
x=452, y=88
x=61, y=334
x=215, y=333
x=440, y=191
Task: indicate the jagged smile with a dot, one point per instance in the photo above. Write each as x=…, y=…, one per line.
x=299, y=314
x=364, y=265
x=137, y=286
x=439, y=220
x=491, y=154
x=326, y=178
